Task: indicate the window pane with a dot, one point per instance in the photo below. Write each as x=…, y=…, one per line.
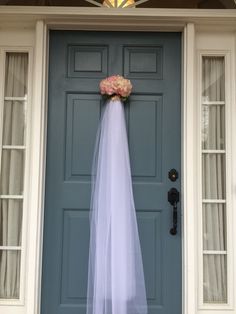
x=10, y=222
x=213, y=79
x=213, y=127
x=14, y=123
x=12, y=172
x=9, y=274
x=213, y=180
x=16, y=74
x=214, y=227
x=215, y=279
x=213, y=176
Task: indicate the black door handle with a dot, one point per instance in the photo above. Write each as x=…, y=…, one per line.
x=173, y=199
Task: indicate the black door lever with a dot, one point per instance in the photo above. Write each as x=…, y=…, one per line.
x=173, y=199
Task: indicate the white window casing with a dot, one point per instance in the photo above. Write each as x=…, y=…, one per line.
x=216, y=46
x=18, y=45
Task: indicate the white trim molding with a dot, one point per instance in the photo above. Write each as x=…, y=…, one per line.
x=189, y=173
x=38, y=165
x=141, y=19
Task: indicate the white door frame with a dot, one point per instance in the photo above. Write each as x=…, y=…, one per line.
x=185, y=21
x=39, y=151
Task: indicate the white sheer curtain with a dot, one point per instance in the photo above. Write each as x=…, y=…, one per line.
x=12, y=173
x=213, y=165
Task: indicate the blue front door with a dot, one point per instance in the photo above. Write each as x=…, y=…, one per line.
x=78, y=61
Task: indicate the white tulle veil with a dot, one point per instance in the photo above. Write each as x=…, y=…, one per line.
x=115, y=279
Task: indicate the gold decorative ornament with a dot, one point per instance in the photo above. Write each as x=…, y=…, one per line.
x=117, y=3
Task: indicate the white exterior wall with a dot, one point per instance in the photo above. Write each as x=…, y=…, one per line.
x=21, y=29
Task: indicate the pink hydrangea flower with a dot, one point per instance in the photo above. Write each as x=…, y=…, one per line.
x=116, y=85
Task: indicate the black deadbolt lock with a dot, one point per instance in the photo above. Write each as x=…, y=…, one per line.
x=173, y=175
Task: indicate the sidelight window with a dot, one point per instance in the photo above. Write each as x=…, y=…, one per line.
x=12, y=186
x=214, y=199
